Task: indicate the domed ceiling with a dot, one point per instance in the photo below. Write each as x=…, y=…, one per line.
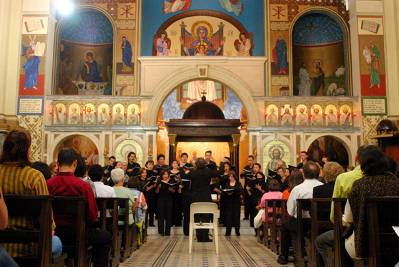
x=317, y=29
x=88, y=27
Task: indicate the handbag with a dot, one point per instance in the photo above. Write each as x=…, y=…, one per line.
x=258, y=218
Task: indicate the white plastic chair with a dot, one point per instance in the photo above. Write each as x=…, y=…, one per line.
x=204, y=208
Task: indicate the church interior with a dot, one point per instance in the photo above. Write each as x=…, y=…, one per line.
x=268, y=88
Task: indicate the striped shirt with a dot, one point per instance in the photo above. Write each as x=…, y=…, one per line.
x=21, y=181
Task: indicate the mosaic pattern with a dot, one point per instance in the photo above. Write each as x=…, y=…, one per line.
x=173, y=251
x=34, y=125
x=369, y=129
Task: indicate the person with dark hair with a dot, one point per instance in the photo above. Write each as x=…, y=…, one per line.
x=161, y=165
x=53, y=168
x=43, y=168
x=304, y=158
x=221, y=183
x=209, y=162
x=377, y=181
x=110, y=166
x=282, y=177
x=274, y=193
x=150, y=194
x=133, y=167
x=243, y=175
x=231, y=193
x=176, y=173
x=257, y=187
x=200, y=191
x=165, y=190
x=342, y=187
x=67, y=184
x=18, y=178
x=96, y=174
x=304, y=190
x=184, y=161
x=295, y=178
x=81, y=172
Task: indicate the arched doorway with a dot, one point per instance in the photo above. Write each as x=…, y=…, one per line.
x=82, y=144
x=194, y=126
x=320, y=55
x=331, y=147
x=84, y=54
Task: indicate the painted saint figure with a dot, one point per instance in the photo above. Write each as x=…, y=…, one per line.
x=89, y=116
x=172, y=6
x=60, y=115
x=243, y=45
x=31, y=68
x=317, y=117
x=286, y=118
x=276, y=160
x=372, y=56
x=163, y=44
x=202, y=46
x=103, y=117
x=272, y=118
x=331, y=118
x=280, y=56
x=234, y=6
x=302, y=117
x=90, y=71
x=126, y=52
x=318, y=80
x=305, y=82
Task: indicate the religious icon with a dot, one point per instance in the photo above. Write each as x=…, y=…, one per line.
x=372, y=55
x=60, y=114
x=234, y=6
x=345, y=118
x=243, y=45
x=133, y=114
x=103, y=114
x=280, y=62
x=331, y=116
x=32, y=52
x=318, y=79
x=317, y=117
x=198, y=88
x=172, y=6
x=305, y=83
x=126, y=55
x=90, y=71
x=302, y=116
x=118, y=114
x=162, y=44
x=272, y=116
x=74, y=114
x=89, y=115
x=201, y=41
x=286, y=116
x=276, y=153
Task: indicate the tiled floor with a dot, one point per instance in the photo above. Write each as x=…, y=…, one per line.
x=173, y=251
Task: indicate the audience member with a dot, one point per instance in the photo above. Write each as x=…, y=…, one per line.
x=302, y=191
x=102, y=191
x=118, y=177
x=43, y=168
x=53, y=168
x=67, y=184
x=81, y=172
x=295, y=178
x=18, y=178
x=274, y=193
x=342, y=188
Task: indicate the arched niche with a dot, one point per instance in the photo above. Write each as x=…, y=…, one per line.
x=84, y=145
x=320, y=54
x=84, y=54
x=125, y=146
x=335, y=148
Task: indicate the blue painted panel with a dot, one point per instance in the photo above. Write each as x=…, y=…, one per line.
x=88, y=26
x=315, y=28
x=252, y=18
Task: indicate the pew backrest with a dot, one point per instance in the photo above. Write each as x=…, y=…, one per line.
x=37, y=210
x=339, y=204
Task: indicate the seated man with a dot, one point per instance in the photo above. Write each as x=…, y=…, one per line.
x=102, y=190
x=302, y=191
x=66, y=184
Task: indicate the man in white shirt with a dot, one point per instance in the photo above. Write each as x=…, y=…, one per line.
x=102, y=190
x=302, y=191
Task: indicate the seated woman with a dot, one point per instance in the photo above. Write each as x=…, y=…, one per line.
x=18, y=178
x=274, y=193
x=118, y=177
x=377, y=181
x=295, y=178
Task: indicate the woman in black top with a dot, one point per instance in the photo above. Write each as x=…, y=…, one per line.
x=165, y=190
x=231, y=193
x=150, y=194
x=176, y=174
x=257, y=188
x=223, y=180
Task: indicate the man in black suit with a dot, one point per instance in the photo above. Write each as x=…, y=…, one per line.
x=200, y=191
x=209, y=162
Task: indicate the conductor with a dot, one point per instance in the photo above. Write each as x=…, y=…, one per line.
x=201, y=192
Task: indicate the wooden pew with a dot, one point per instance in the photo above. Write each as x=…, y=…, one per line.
x=125, y=229
x=70, y=216
x=109, y=207
x=319, y=225
x=339, y=246
x=383, y=242
x=36, y=209
x=279, y=213
x=302, y=206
